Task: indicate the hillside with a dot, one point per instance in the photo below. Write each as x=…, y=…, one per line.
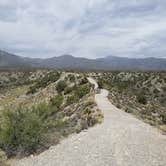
x=139, y=93
x=40, y=108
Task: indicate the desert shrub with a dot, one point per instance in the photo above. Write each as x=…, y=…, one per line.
x=61, y=85
x=118, y=106
x=82, y=90
x=105, y=84
x=42, y=110
x=57, y=101
x=71, y=78
x=92, y=118
x=90, y=103
x=22, y=132
x=100, y=83
x=141, y=98
x=71, y=99
x=68, y=90
x=83, y=81
x=43, y=82
x=49, y=78
x=31, y=90
x=156, y=91
x=128, y=110
x=87, y=111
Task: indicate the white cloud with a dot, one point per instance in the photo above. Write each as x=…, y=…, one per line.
x=89, y=28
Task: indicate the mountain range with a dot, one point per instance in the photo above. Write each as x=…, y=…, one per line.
x=70, y=62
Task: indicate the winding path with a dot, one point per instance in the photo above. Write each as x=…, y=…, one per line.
x=121, y=140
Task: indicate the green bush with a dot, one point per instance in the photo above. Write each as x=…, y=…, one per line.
x=31, y=90
x=128, y=110
x=57, y=101
x=21, y=132
x=42, y=110
x=83, y=81
x=71, y=78
x=61, y=85
x=100, y=84
x=71, y=100
x=91, y=117
x=82, y=90
x=43, y=82
x=47, y=79
x=141, y=98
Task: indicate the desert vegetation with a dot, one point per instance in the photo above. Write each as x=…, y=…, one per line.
x=140, y=93
x=49, y=106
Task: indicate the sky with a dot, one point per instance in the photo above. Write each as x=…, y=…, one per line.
x=83, y=28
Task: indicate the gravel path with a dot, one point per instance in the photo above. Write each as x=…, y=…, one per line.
x=92, y=81
x=121, y=140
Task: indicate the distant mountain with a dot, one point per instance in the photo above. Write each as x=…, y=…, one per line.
x=8, y=60
x=11, y=60
x=123, y=63
x=69, y=62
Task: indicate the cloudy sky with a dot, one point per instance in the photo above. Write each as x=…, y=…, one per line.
x=85, y=28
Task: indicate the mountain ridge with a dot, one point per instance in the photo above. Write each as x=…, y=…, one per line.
x=67, y=61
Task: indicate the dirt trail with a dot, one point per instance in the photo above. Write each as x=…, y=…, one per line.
x=121, y=140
